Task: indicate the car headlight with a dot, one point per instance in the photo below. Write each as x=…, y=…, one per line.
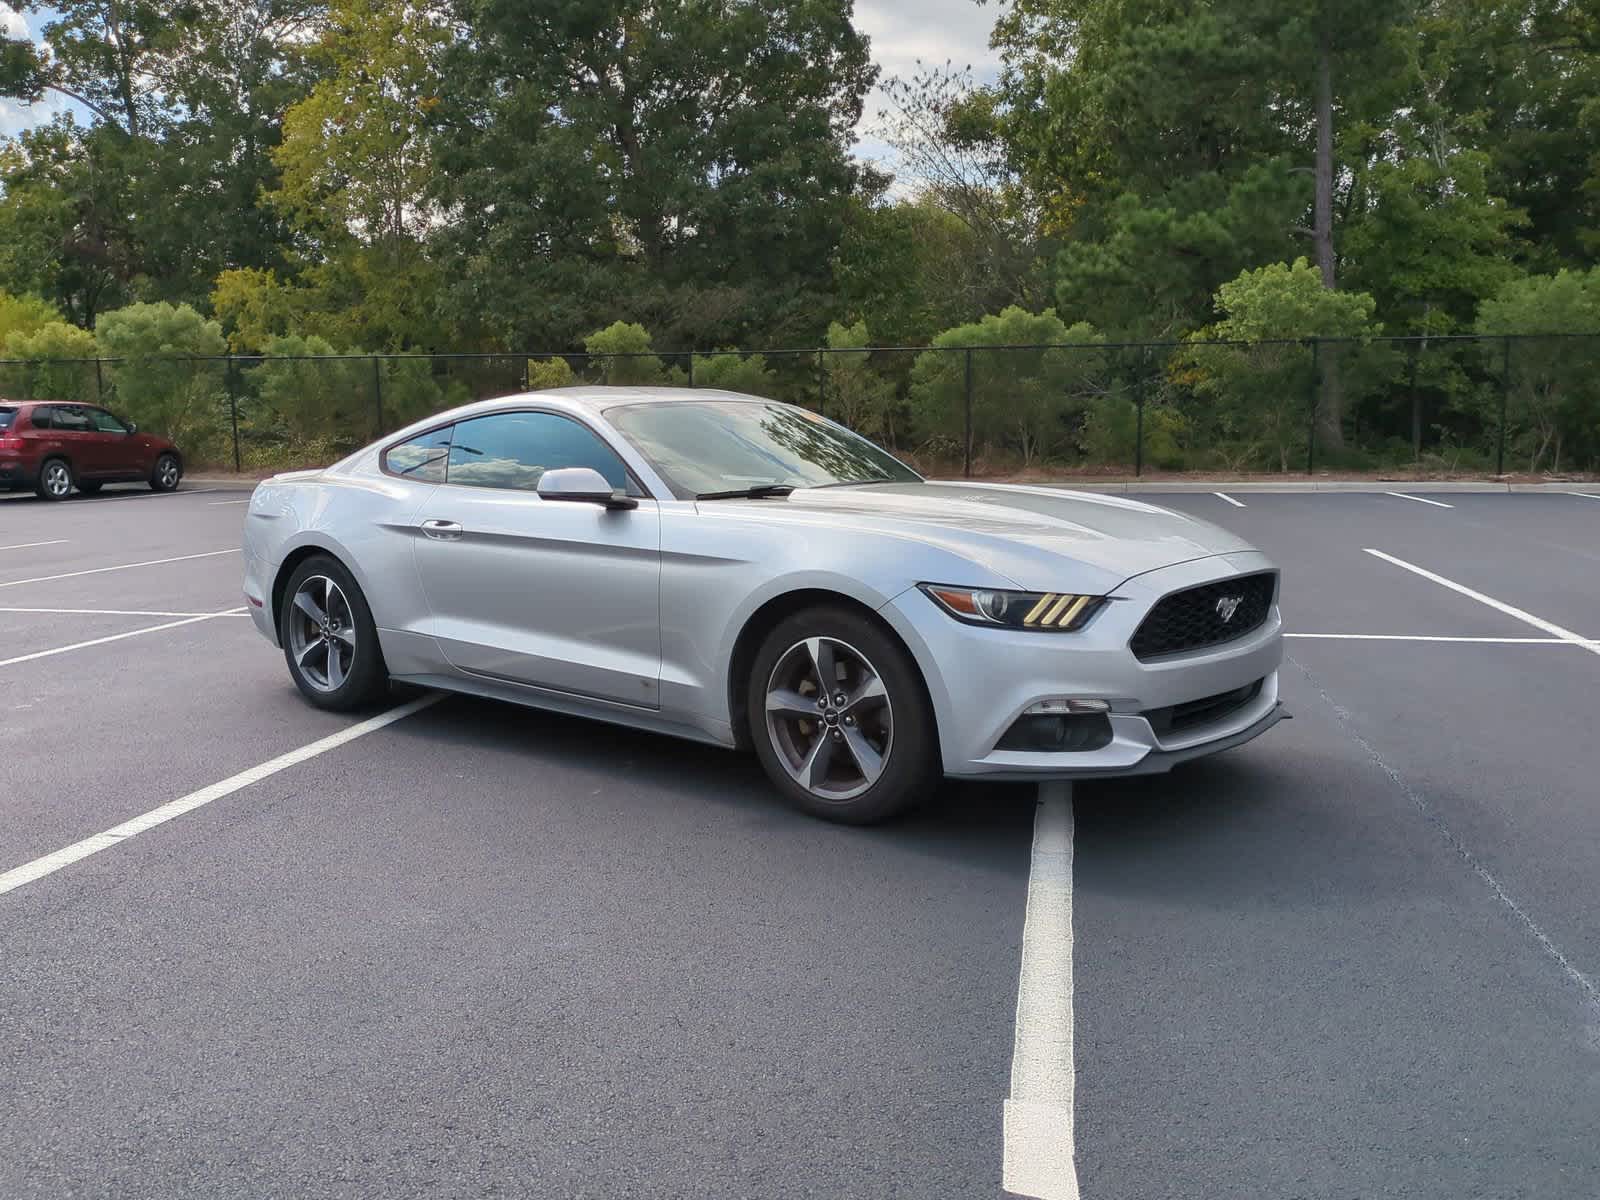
x=1053, y=612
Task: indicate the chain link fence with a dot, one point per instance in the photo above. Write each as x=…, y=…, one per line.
x=1477, y=405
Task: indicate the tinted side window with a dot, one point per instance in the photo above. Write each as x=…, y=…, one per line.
x=41, y=417
x=422, y=457
x=512, y=450
x=104, y=422
x=7, y=416
x=72, y=420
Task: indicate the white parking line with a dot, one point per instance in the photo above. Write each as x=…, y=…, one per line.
x=113, y=612
x=115, y=637
x=31, y=545
x=1228, y=498
x=1527, y=618
x=1420, y=637
x=1586, y=495
x=1419, y=499
x=152, y=562
x=1040, y=1153
x=65, y=857
x=215, y=503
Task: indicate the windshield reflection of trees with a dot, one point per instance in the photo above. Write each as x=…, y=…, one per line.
x=845, y=459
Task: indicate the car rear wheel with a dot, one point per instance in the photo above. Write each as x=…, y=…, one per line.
x=839, y=717
x=329, y=639
x=166, y=474
x=55, y=480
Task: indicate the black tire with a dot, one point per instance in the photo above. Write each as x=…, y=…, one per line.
x=56, y=479
x=909, y=761
x=90, y=488
x=165, y=474
x=361, y=679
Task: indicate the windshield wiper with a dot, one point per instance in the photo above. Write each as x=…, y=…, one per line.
x=761, y=491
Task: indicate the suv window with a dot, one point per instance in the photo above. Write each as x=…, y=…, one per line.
x=422, y=457
x=104, y=422
x=7, y=416
x=41, y=416
x=70, y=420
x=512, y=450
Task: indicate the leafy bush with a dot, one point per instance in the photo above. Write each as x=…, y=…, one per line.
x=733, y=373
x=1025, y=400
x=161, y=388
x=622, y=354
x=546, y=373
x=42, y=374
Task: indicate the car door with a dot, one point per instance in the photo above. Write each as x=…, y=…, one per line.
x=562, y=595
x=117, y=451
x=70, y=433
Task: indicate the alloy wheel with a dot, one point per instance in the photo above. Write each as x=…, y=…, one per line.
x=167, y=472
x=322, y=633
x=829, y=718
x=57, y=479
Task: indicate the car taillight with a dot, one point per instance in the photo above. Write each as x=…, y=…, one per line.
x=10, y=441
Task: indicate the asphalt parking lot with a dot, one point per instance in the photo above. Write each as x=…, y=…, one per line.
x=481, y=951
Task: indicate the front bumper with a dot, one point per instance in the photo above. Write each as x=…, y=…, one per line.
x=982, y=680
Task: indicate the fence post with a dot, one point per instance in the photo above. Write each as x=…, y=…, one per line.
x=1316, y=386
x=377, y=390
x=231, y=375
x=966, y=442
x=524, y=380
x=822, y=385
x=691, y=368
x=99, y=384
x=1505, y=395
x=1140, y=368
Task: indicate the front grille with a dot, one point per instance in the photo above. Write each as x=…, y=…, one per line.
x=1175, y=718
x=1195, y=619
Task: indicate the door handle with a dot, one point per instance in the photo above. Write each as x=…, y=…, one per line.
x=443, y=531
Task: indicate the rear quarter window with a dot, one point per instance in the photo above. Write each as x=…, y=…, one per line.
x=7, y=416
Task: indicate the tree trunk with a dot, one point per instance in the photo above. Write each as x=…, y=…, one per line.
x=1330, y=413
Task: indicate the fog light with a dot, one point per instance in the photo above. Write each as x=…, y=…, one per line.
x=1058, y=733
x=1054, y=708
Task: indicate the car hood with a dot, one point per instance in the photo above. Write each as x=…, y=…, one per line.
x=1019, y=532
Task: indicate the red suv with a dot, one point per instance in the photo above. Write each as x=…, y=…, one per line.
x=53, y=448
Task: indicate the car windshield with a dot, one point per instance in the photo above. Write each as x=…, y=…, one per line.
x=717, y=446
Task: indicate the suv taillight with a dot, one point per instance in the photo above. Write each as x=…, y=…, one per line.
x=10, y=441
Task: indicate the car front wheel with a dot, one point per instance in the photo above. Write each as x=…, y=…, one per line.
x=839, y=717
x=329, y=639
x=166, y=474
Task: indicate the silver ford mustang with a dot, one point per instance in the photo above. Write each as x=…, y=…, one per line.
x=747, y=573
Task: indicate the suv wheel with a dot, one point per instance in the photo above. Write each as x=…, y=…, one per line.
x=55, y=480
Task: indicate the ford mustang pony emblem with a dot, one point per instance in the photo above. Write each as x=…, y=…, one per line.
x=1227, y=606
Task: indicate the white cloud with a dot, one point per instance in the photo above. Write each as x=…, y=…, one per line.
x=934, y=32
x=11, y=23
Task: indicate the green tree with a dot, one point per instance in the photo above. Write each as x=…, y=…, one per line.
x=857, y=396
x=1554, y=412
x=1259, y=387
x=23, y=315
x=53, y=353
x=685, y=165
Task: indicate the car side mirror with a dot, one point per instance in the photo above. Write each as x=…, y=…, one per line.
x=585, y=485
x=133, y=427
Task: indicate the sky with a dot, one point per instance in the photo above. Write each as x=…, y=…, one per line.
x=902, y=31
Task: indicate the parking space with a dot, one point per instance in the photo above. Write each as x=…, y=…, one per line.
x=485, y=951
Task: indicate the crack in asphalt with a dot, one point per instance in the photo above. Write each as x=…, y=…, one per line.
x=1590, y=991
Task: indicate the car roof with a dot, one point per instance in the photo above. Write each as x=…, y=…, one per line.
x=599, y=398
